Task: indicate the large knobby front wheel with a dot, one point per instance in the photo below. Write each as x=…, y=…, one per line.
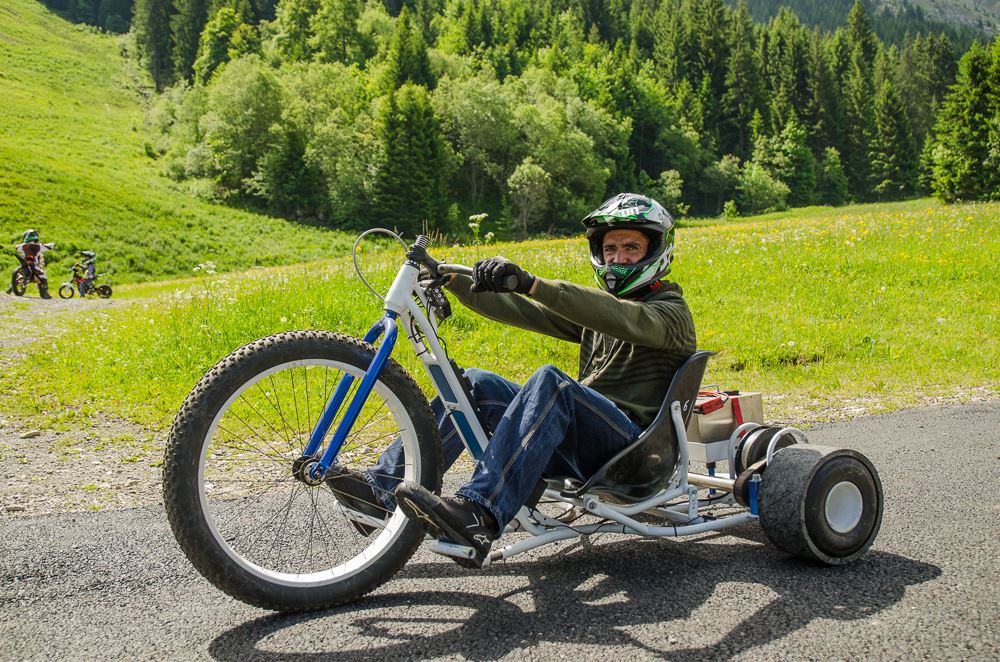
x=237, y=497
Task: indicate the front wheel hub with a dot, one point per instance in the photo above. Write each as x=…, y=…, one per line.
x=307, y=470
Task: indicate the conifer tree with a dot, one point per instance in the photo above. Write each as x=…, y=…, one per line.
x=335, y=36
x=151, y=24
x=831, y=182
x=185, y=31
x=406, y=61
x=414, y=171
x=962, y=152
x=796, y=167
x=857, y=99
x=744, y=90
x=861, y=34
x=892, y=152
x=820, y=117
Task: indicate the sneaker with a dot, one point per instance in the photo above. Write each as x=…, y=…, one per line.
x=355, y=493
x=454, y=519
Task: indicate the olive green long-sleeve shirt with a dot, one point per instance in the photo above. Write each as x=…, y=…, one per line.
x=629, y=350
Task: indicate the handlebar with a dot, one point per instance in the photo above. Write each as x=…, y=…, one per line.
x=418, y=254
x=444, y=268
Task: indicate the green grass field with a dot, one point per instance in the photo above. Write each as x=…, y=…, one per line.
x=73, y=165
x=864, y=309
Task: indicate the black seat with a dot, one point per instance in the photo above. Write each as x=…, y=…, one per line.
x=647, y=466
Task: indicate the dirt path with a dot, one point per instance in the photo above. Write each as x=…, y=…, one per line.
x=69, y=461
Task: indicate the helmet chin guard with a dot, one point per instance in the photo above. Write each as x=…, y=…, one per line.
x=631, y=211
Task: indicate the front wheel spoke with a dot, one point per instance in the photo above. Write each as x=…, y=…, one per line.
x=368, y=422
x=262, y=527
x=276, y=406
x=284, y=523
x=254, y=409
x=277, y=401
x=244, y=507
x=271, y=453
x=295, y=400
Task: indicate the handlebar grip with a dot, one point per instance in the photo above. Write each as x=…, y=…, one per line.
x=510, y=282
x=444, y=268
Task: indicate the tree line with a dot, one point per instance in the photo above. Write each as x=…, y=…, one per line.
x=423, y=112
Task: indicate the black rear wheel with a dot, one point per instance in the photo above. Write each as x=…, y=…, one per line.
x=104, y=291
x=821, y=503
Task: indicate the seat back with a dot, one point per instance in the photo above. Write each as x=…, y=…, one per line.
x=648, y=465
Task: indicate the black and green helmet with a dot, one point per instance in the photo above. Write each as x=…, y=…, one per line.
x=629, y=211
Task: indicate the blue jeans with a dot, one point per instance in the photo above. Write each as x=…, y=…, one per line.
x=552, y=426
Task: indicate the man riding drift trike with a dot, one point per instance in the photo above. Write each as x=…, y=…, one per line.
x=633, y=334
x=304, y=468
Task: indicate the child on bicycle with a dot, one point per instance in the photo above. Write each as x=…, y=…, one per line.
x=89, y=269
x=32, y=251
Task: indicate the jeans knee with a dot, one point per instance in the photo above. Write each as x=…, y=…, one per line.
x=476, y=375
x=547, y=377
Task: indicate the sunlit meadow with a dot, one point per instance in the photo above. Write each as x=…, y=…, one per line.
x=863, y=309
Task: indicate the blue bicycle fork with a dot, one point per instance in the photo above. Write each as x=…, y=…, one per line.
x=386, y=325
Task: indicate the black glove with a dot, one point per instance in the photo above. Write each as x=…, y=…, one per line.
x=498, y=274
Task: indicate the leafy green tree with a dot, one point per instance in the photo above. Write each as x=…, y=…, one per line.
x=329, y=105
x=283, y=179
x=415, y=167
x=668, y=191
x=294, y=40
x=528, y=192
x=221, y=33
x=720, y=181
x=831, y=182
x=759, y=191
x=477, y=119
x=244, y=104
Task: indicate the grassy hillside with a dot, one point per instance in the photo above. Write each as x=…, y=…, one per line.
x=73, y=165
x=866, y=309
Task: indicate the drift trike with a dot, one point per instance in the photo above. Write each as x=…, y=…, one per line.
x=250, y=452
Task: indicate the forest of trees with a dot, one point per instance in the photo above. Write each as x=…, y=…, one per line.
x=413, y=112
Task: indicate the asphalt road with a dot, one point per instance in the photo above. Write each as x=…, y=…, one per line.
x=115, y=586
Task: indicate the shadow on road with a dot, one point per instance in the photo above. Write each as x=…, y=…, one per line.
x=591, y=596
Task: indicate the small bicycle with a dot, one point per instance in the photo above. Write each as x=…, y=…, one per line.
x=70, y=288
x=23, y=275
x=250, y=449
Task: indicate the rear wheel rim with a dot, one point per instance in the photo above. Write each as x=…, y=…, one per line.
x=844, y=507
